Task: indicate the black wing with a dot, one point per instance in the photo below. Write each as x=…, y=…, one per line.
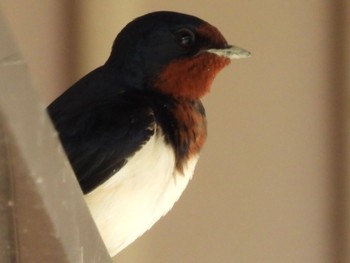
x=99, y=135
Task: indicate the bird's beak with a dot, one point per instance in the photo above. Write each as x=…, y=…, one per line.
x=231, y=52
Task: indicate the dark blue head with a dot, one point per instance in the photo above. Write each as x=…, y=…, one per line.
x=145, y=49
x=160, y=37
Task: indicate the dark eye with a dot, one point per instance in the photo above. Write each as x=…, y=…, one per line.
x=185, y=37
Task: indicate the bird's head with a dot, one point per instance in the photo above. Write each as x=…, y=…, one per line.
x=172, y=53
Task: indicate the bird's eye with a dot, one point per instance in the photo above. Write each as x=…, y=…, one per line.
x=185, y=37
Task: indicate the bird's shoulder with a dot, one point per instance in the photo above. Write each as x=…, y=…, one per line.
x=99, y=133
x=102, y=123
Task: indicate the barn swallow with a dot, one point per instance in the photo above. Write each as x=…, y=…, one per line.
x=133, y=128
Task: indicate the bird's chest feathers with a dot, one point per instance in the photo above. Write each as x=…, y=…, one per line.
x=188, y=131
x=153, y=178
x=145, y=189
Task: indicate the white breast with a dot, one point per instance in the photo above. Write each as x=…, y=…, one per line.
x=145, y=189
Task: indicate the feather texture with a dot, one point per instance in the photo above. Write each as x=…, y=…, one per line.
x=145, y=189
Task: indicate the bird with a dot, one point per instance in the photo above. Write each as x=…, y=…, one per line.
x=133, y=128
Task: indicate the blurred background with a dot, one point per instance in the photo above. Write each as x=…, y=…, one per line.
x=272, y=184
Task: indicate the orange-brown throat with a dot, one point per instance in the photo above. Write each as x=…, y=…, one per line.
x=190, y=77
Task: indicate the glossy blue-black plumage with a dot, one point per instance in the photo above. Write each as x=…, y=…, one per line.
x=108, y=115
